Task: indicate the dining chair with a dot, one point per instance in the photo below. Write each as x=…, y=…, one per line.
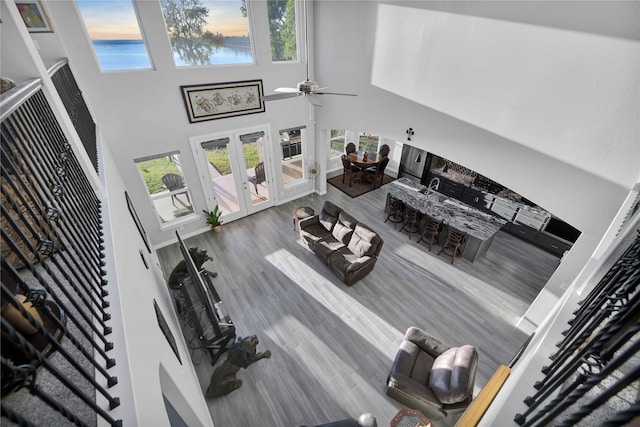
x=349, y=170
x=384, y=150
x=350, y=148
x=377, y=171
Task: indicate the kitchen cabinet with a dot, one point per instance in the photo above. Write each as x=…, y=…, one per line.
x=476, y=198
x=521, y=231
x=551, y=244
x=451, y=188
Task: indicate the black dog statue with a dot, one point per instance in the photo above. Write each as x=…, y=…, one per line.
x=180, y=271
x=241, y=354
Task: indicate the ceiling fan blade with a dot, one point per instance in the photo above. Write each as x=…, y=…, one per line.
x=286, y=89
x=334, y=93
x=313, y=100
x=277, y=96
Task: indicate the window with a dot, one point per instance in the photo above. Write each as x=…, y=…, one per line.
x=291, y=145
x=368, y=142
x=166, y=185
x=336, y=143
x=282, y=27
x=204, y=32
x=115, y=34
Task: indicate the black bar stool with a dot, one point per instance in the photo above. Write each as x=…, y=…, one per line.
x=432, y=228
x=396, y=211
x=411, y=218
x=453, y=241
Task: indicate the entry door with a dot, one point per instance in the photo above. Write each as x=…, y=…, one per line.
x=235, y=171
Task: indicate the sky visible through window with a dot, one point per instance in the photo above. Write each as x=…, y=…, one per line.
x=116, y=19
x=116, y=36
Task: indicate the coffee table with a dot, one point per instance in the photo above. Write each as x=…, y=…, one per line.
x=410, y=418
x=301, y=213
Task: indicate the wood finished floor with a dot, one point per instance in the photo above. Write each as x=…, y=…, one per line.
x=332, y=344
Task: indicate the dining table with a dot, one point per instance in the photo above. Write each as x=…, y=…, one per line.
x=365, y=159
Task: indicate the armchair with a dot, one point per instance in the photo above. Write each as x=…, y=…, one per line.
x=432, y=377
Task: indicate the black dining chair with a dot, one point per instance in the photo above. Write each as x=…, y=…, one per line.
x=377, y=171
x=349, y=169
x=384, y=150
x=350, y=148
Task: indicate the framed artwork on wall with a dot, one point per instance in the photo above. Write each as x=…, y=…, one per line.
x=221, y=100
x=34, y=16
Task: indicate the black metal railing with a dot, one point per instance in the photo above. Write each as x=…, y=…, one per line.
x=76, y=107
x=599, y=357
x=54, y=352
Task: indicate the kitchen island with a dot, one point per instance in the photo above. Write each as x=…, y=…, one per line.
x=480, y=227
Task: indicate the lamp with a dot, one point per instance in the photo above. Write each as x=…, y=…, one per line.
x=410, y=133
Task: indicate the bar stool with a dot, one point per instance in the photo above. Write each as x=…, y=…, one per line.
x=432, y=228
x=410, y=222
x=396, y=210
x=453, y=240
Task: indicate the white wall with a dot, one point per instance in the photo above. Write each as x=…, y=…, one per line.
x=560, y=130
x=142, y=112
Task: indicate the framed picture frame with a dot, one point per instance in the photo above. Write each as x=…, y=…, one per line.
x=34, y=16
x=164, y=327
x=222, y=100
x=137, y=221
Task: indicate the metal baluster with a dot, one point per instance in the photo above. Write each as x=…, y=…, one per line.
x=64, y=254
x=592, y=349
x=17, y=337
x=83, y=249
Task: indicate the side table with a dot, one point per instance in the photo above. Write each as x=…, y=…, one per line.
x=301, y=213
x=410, y=418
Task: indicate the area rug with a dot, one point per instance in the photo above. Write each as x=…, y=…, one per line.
x=357, y=188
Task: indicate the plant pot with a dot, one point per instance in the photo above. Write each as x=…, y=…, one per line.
x=217, y=228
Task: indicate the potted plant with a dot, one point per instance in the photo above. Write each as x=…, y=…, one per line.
x=213, y=218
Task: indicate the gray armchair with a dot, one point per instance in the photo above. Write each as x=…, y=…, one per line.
x=432, y=377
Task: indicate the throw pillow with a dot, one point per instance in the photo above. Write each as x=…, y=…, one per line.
x=361, y=241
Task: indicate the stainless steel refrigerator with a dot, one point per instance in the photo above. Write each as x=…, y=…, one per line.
x=412, y=163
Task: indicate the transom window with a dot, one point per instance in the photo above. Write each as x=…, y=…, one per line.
x=205, y=32
x=115, y=34
x=166, y=185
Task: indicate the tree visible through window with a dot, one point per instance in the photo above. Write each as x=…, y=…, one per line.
x=282, y=26
x=206, y=32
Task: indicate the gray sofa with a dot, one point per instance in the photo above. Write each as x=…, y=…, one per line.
x=347, y=246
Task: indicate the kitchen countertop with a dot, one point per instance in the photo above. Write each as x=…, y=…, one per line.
x=453, y=212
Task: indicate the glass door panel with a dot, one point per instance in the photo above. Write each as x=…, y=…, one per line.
x=257, y=178
x=220, y=170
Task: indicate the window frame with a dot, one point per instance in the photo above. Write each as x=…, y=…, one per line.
x=153, y=198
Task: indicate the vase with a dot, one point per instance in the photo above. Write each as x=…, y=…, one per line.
x=217, y=228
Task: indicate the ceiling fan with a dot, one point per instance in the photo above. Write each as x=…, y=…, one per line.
x=307, y=87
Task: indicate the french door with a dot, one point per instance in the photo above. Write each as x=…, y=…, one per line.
x=235, y=170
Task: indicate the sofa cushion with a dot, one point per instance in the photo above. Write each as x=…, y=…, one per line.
x=361, y=243
x=453, y=374
x=342, y=232
x=326, y=246
x=329, y=215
